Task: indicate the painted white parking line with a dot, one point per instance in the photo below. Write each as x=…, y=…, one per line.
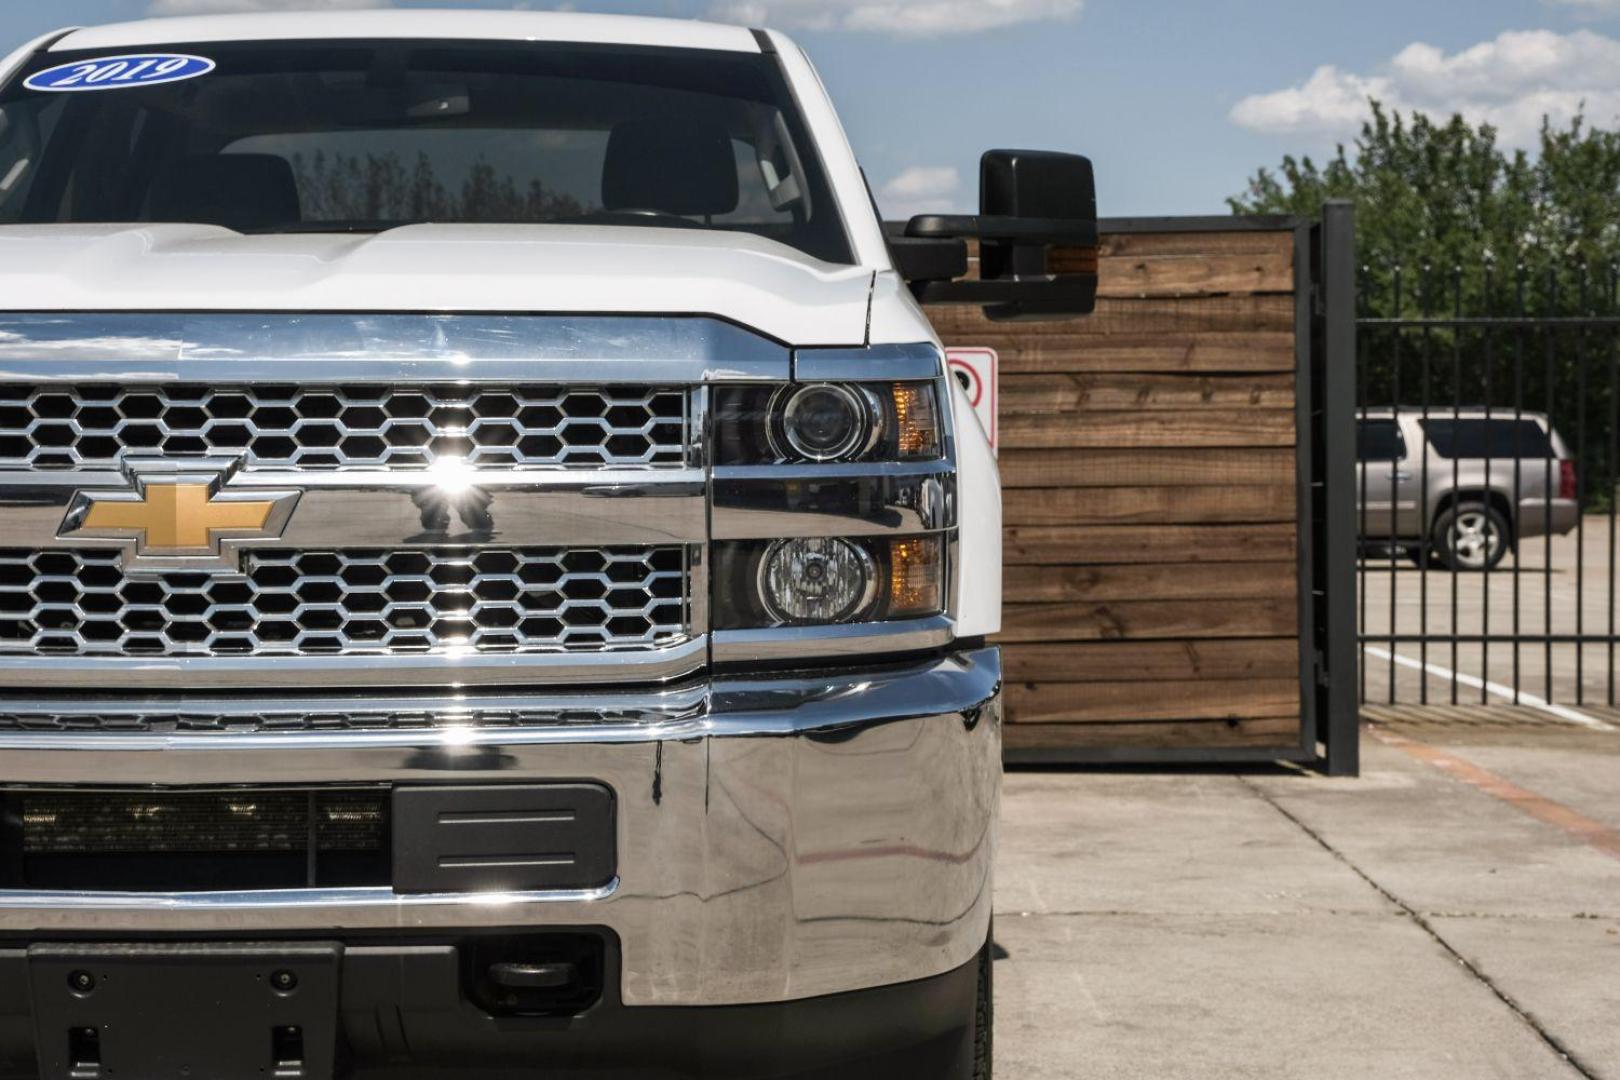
x=1564, y=713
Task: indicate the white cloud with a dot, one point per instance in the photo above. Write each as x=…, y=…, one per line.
x=216, y=7
x=921, y=189
x=1510, y=82
x=909, y=18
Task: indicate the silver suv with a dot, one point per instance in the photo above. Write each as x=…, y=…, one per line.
x=1463, y=485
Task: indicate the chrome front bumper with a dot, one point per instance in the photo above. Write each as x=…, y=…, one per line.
x=779, y=838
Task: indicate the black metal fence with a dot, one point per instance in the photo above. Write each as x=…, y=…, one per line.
x=1328, y=531
x=1488, y=463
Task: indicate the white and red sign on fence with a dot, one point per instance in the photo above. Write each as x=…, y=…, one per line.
x=979, y=372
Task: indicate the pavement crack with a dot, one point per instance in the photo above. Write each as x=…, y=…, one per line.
x=1526, y=916
x=1151, y=913
x=1553, y=1043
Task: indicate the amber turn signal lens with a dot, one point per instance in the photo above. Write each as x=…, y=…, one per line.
x=916, y=577
x=916, y=420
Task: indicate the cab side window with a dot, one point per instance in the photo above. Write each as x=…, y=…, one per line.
x=1379, y=440
x=1494, y=438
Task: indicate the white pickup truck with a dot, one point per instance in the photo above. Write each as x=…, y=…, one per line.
x=494, y=578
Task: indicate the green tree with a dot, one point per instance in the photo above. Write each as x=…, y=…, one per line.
x=1449, y=223
x=1441, y=202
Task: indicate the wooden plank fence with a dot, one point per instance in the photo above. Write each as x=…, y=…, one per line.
x=1148, y=456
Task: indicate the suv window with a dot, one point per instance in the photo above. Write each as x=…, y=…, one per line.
x=1379, y=440
x=366, y=136
x=1481, y=438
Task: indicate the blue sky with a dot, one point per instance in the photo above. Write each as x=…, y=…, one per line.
x=1177, y=100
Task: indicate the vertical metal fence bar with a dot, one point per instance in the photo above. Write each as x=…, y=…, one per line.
x=1518, y=473
x=1395, y=491
x=1489, y=339
x=1450, y=539
x=1363, y=562
x=1425, y=559
x=1582, y=337
x=1551, y=338
x=1614, y=466
x=1341, y=740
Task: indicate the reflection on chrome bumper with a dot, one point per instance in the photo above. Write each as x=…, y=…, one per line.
x=779, y=838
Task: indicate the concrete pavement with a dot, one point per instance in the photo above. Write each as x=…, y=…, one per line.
x=1408, y=924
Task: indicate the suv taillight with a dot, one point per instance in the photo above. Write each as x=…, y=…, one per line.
x=1566, y=479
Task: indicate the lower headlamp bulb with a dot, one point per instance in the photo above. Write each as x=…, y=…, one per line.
x=817, y=580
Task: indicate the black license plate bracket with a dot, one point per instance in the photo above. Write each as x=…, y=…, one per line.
x=185, y=1012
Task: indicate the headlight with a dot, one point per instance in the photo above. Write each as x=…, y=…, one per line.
x=826, y=422
x=816, y=581
x=824, y=581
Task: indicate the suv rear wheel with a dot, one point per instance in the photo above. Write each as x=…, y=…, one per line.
x=1471, y=536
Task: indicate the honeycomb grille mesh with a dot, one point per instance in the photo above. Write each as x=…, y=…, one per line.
x=312, y=603
x=350, y=427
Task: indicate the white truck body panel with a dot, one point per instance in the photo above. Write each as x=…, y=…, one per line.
x=572, y=27
x=979, y=479
x=897, y=318
x=472, y=268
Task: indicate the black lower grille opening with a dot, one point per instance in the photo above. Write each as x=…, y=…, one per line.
x=194, y=841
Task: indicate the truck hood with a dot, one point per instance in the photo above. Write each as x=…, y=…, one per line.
x=506, y=269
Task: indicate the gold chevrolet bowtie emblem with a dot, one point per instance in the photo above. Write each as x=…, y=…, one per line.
x=179, y=515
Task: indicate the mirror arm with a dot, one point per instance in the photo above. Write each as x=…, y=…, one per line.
x=993, y=292
x=929, y=259
x=1051, y=263
x=1066, y=232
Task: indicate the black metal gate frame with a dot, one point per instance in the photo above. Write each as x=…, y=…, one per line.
x=1332, y=364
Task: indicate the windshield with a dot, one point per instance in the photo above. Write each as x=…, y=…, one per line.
x=365, y=136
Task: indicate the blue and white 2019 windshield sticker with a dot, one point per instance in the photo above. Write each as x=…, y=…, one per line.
x=119, y=72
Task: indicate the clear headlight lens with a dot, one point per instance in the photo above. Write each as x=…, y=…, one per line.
x=816, y=581
x=826, y=422
x=820, y=581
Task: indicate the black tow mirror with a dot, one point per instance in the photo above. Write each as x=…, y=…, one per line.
x=1037, y=233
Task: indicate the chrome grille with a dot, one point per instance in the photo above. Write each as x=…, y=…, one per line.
x=314, y=603
x=318, y=717
x=347, y=427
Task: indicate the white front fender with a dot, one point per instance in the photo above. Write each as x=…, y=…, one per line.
x=979, y=512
